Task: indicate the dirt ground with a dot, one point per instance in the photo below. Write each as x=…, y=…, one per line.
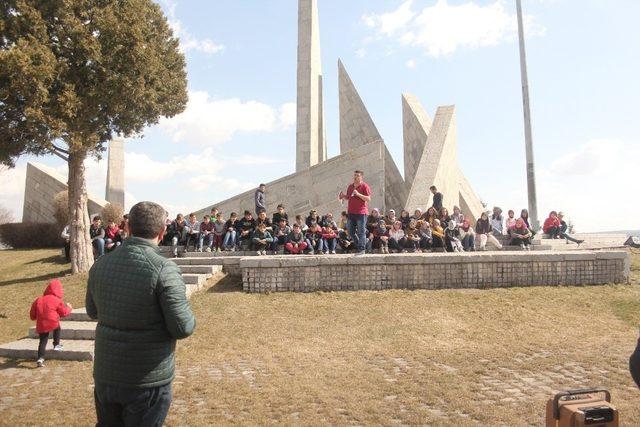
x=448, y=357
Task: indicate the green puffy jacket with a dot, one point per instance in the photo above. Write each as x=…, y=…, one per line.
x=138, y=298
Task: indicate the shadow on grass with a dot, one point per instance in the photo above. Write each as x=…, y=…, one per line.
x=35, y=279
x=227, y=284
x=17, y=363
x=54, y=259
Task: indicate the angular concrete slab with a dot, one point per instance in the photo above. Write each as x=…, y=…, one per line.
x=311, y=146
x=356, y=126
x=27, y=348
x=438, y=164
x=318, y=187
x=42, y=184
x=416, y=125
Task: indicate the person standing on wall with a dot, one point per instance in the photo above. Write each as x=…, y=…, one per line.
x=437, y=198
x=358, y=195
x=260, y=199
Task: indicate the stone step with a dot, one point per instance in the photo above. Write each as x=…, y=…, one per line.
x=200, y=269
x=28, y=349
x=205, y=261
x=72, y=330
x=195, y=279
x=79, y=315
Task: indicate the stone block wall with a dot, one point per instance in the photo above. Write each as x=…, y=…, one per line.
x=432, y=271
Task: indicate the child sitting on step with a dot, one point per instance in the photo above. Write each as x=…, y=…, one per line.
x=47, y=311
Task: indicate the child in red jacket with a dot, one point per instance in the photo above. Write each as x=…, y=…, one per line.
x=47, y=311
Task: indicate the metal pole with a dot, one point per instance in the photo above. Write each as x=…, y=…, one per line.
x=531, y=173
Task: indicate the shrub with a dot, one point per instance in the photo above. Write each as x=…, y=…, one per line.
x=61, y=208
x=30, y=235
x=113, y=211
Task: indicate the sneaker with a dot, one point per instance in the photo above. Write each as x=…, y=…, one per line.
x=528, y=247
x=40, y=363
x=264, y=252
x=258, y=253
x=218, y=250
x=175, y=253
x=333, y=252
x=58, y=347
x=233, y=249
x=522, y=246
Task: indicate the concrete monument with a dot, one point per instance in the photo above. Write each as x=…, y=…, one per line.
x=430, y=148
x=115, y=173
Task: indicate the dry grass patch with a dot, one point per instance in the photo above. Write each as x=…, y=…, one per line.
x=24, y=274
x=449, y=357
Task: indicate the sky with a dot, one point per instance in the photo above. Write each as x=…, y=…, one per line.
x=239, y=127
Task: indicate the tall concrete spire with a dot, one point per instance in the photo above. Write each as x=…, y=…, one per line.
x=115, y=172
x=311, y=146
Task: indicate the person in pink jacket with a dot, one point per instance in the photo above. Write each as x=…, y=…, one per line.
x=47, y=311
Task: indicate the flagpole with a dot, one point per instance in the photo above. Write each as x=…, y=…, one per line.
x=531, y=173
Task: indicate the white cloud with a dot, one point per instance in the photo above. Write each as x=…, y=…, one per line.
x=12, y=195
x=209, y=121
x=390, y=22
x=411, y=64
x=288, y=115
x=441, y=29
x=361, y=53
x=187, y=41
x=190, y=43
x=594, y=186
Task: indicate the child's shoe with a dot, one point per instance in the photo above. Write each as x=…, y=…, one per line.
x=259, y=253
x=40, y=363
x=58, y=347
x=208, y=249
x=264, y=252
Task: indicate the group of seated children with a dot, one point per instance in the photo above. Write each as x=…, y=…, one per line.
x=432, y=230
x=214, y=233
x=103, y=239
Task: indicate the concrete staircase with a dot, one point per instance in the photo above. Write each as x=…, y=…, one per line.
x=79, y=330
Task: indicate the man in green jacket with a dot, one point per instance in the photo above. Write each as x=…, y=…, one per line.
x=138, y=298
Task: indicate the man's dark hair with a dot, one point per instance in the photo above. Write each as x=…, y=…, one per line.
x=247, y=213
x=97, y=218
x=433, y=187
x=262, y=211
x=214, y=208
x=146, y=220
x=233, y=214
x=280, y=206
x=261, y=185
x=358, y=171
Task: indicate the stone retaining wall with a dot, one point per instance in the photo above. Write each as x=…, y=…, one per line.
x=433, y=271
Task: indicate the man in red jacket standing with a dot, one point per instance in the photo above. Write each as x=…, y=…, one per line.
x=358, y=194
x=47, y=311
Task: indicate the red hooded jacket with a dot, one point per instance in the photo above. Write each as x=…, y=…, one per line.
x=549, y=223
x=49, y=308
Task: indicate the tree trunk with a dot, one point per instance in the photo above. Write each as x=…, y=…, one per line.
x=81, y=248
